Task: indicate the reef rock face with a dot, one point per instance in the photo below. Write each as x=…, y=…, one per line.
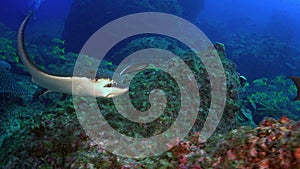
x=88, y=16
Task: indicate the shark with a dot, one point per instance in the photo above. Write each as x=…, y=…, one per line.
x=296, y=80
x=77, y=86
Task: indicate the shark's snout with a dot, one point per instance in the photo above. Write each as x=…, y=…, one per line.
x=116, y=90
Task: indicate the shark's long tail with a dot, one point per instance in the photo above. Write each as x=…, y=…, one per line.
x=296, y=80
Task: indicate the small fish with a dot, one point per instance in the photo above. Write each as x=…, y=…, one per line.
x=290, y=65
x=260, y=82
x=56, y=40
x=133, y=68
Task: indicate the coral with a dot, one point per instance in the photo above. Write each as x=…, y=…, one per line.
x=50, y=136
x=8, y=85
x=228, y=121
x=8, y=50
x=274, y=144
x=54, y=137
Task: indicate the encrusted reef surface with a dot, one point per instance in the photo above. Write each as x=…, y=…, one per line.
x=45, y=132
x=86, y=17
x=52, y=137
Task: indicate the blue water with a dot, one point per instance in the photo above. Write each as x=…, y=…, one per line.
x=13, y=11
x=275, y=19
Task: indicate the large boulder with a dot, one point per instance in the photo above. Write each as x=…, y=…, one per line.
x=86, y=17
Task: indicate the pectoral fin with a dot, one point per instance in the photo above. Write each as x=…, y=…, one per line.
x=296, y=80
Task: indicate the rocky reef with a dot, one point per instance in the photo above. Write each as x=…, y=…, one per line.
x=267, y=97
x=53, y=137
x=45, y=132
x=273, y=144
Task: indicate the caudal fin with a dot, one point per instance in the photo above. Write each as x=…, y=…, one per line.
x=296, y=80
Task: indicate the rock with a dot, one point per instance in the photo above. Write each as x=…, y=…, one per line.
x=88, y=16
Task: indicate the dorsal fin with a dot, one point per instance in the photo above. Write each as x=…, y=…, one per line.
x=296, y=80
